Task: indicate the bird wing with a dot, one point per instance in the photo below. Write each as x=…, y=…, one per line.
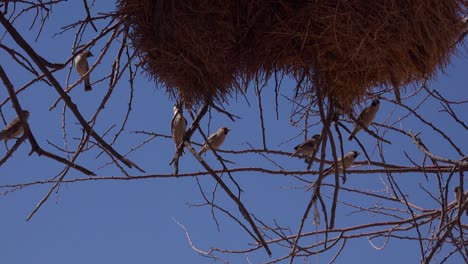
x=205, y=145
x=10, y=129
x=309, y=143
x=363, y=114
x=212, y=138
x=173, y=124
x=349, y=160
x=13, y=123
x=331, y=169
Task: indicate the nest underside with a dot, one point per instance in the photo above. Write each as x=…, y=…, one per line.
x=202, y=50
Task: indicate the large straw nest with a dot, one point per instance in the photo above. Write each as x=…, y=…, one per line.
x=200, y=50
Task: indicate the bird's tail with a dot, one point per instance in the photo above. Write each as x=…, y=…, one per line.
x=87, y=85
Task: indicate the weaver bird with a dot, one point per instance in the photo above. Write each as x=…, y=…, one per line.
x=365, y=118
x=308, y=147
x=178, y=125
x=215, y=140
x=14, y=129
x=348, y=161
x=82, y=67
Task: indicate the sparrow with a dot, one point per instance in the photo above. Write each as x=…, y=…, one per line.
x=178, y=125
x=458, y=192
x=308, y=147
x=348, y=161
x=82, y=67
x=215, y=140
x=14, y=128
x=365, y=118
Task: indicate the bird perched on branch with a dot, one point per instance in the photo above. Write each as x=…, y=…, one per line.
x=82, y=67
x=215, y=140
x=14, y=128
x=348, y=161
x=308, y=147
x=178, y=126
x=460, y=197
x=365, y=118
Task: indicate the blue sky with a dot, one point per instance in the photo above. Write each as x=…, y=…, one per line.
x=134, y=221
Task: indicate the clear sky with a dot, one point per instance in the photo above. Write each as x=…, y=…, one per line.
x=135, y=221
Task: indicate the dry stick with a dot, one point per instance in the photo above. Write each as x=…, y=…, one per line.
x=304, y=217
x=460, y=212
x=277, y=86
x=233, y=197
x=13, y=149
x=260, y=109
x=327, y=123
x=417, y=141
x=394, y=228
x=413, y=216
x=279, y=233
x=213, y=206
x=237, y=170
x=63, y=174
x=192, y=245
x=114, y=78
x=88, y=15
x=229, y=115
x=27, y=131
x=396, y=189
x=440, y=132
x=439, y=243
x=429, y=216
x=325, y=132
x=110, y=92
x=39, y=62
x=337, y=180
x=446, y=104
x=26, y=64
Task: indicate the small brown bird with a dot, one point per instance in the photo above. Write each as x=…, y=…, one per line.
x=82, y=67
x=365, y=118
x=348, y=161
x=14, y=128
x=308, y=147
x=215, y=140
x=460, y=197
x=178, y=126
